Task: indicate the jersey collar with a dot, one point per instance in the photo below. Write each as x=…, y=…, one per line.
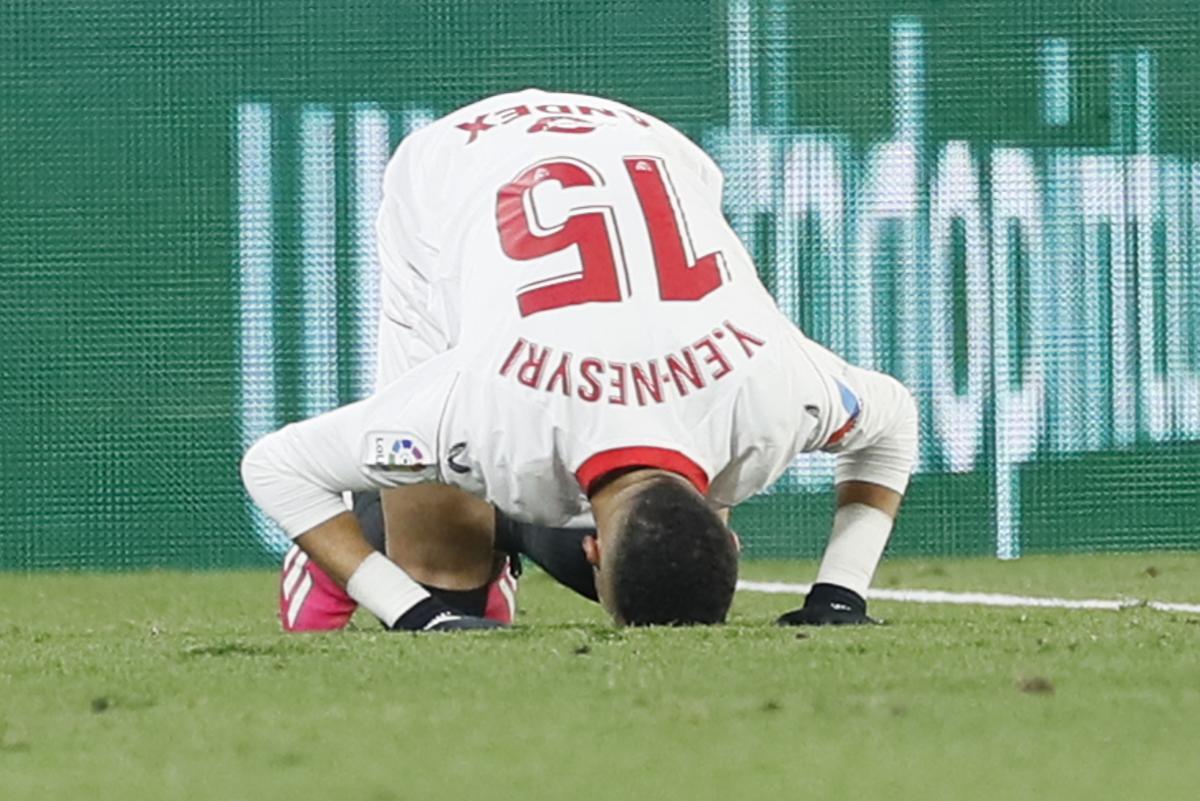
x=600, y=464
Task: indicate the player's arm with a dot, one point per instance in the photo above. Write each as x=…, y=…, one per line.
x=875, y=457
x=297, y=476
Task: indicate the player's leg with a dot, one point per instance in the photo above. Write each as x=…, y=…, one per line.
x=441, y=535
x=445, y=538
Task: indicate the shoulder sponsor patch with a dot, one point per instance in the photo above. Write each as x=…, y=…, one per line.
x=396, y=450
x=852, y=406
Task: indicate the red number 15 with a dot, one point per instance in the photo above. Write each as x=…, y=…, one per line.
x=593, y=230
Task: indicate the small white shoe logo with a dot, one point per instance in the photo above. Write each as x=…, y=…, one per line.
x=443, y=617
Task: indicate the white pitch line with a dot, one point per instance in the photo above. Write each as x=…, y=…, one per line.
x=979, y=598
x=1163, y=606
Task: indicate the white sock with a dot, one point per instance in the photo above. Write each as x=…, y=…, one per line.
x=382, y=587
x=860, y=533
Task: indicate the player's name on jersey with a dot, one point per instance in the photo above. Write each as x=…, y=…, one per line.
x=711, y=357
x=555, y=117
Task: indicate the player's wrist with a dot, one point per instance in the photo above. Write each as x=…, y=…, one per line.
x=380, y=586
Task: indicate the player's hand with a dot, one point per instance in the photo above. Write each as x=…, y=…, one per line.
x=807, y=616
x=465, y=623
x=431, y=614
x=829, y=605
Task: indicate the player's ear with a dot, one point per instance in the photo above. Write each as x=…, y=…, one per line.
x=591, y=549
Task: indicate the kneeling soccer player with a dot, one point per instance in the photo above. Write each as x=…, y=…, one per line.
x=604, y=347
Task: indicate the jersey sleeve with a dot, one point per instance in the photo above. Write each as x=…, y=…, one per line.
x=866, y=418
x=876, y=440
x=297, y=475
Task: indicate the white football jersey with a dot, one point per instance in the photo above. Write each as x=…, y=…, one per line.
x=593, y=310
x=603, y=313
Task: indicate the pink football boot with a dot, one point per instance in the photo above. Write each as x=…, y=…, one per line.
x=502, y=595
x=309, y=600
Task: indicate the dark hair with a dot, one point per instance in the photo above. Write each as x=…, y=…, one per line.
x=677, y=562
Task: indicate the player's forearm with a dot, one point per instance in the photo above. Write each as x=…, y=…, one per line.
x=337, y=545
x=873, y=495
x=872, y=477
x=862, y=526
x=305, y=500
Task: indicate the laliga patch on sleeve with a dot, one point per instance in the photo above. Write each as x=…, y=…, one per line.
x=396, y=450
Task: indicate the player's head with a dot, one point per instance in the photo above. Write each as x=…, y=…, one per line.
x=668, y=559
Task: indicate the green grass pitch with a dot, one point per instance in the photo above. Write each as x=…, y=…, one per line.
x=180, y=686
